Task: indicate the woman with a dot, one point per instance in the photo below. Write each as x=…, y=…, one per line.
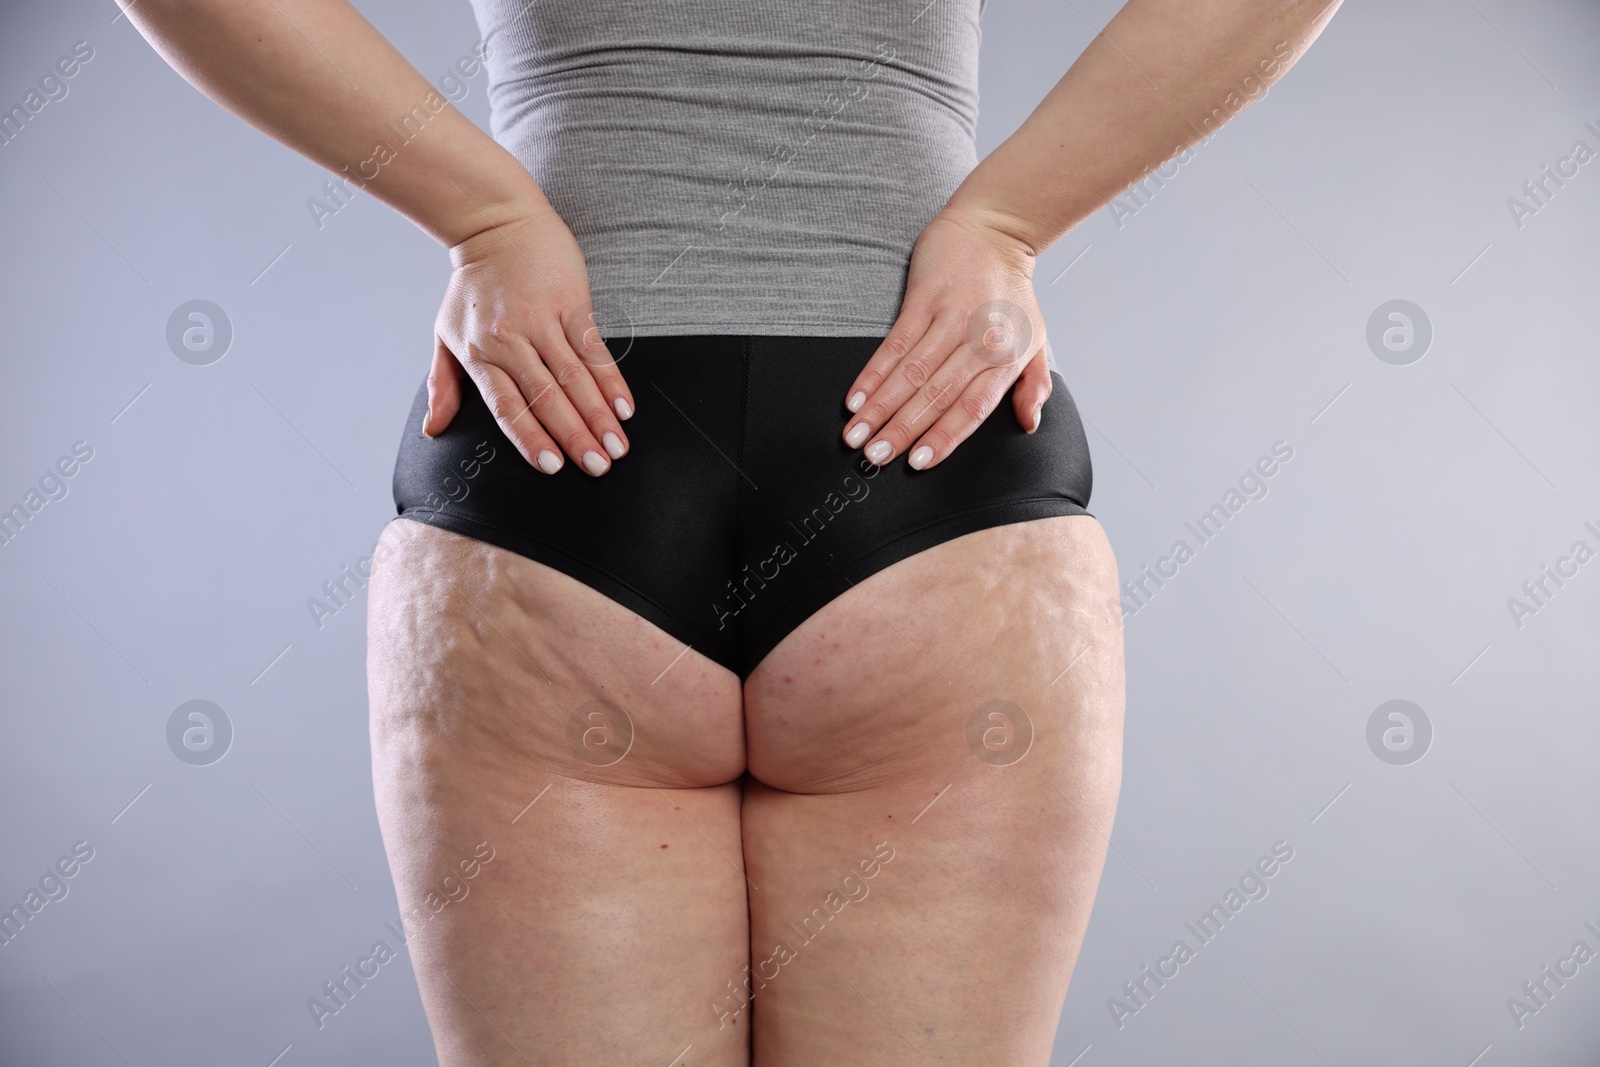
x=768, y=686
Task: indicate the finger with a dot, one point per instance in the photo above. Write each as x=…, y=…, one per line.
x=965, y=415
x=444, y=390
x=576, y=379
x=548, y=404
x=584, y=338
x=1033, y=389
x=908, y=376
x=922, y=409
x=505, y=401
x=902, y=337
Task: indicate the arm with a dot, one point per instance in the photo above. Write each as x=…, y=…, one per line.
x=1163, y=74
x=316, y=76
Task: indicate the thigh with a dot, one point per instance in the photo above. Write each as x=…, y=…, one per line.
x=937, y=756
x=556, y=783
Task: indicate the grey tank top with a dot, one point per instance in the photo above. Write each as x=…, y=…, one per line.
x=735, y=166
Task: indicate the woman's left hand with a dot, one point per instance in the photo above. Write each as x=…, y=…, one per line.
x=968, y=328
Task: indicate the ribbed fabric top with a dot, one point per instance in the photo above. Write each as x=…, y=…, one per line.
x=732, y=166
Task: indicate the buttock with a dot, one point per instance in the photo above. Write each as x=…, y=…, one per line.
x=738, y=510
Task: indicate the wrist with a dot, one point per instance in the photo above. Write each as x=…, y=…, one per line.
x=498, y=193
x=996, y=228
x=486, y=227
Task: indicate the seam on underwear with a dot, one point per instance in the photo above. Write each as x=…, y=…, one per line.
x=746, y=329
x=746, y=341
x=749, y=329
x=464, y=516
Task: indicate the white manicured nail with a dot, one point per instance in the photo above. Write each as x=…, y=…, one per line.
x=594, y=463
x=548, y=461
x=879, y=451
x=623, y=410
x=857, y=398
x=920, y=457
x=858, y=433
x=613, y=444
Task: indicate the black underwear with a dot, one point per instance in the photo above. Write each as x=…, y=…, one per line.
x=738, y=510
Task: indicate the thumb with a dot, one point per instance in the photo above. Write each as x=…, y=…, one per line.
x=444, y=390
x=1032, y=389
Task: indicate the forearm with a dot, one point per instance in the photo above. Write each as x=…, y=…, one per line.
x=317, y=76
x=1162, y=75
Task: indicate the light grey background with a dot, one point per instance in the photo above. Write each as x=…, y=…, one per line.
x=1227, y=314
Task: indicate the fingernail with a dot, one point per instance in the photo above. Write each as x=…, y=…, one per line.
x=623, y=410
x=425, y=420
x=548, y=461
x=857, y=398
x=858, y=433
x=594, y=463
x=1038, y=410
x=613, y=444
x=879, y=451
x=920, y=457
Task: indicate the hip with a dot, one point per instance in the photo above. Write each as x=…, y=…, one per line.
x=738, y=508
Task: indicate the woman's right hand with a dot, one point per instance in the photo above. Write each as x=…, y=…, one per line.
x=518, y=317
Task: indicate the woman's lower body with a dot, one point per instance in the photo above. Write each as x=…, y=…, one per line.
x=769, y=749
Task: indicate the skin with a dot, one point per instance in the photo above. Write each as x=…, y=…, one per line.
x=626, y=897
x=615, y=923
